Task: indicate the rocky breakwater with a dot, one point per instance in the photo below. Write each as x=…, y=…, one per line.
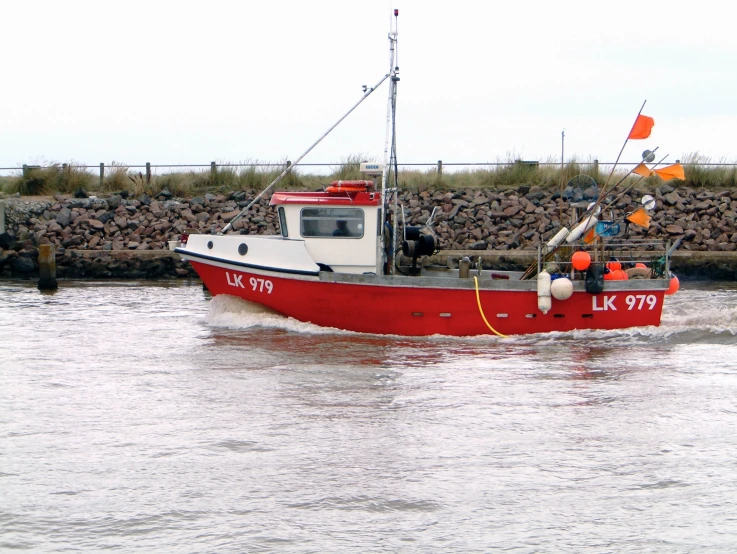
x=123, y=237
x=117, y=237
x=477, y=220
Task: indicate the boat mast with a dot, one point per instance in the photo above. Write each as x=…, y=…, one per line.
x=389, y=149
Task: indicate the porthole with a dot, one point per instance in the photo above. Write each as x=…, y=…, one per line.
x=210, y=245
x=242, y=249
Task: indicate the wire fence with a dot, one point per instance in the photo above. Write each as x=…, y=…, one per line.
x=439, y=166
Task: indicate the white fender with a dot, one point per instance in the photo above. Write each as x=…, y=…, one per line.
x=544, y=302
x=558, y=238
x=584, y=226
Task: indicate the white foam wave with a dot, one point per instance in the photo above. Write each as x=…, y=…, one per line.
x=235, y=313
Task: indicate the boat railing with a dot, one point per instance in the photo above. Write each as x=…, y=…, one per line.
x=654, y=254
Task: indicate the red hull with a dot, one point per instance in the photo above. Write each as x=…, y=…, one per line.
x=417, y=311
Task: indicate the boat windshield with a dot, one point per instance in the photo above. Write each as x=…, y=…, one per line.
x=332, y=222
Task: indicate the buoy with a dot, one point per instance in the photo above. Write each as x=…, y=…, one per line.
x=616, y=275
x=543, y=292
x=581, y=260
x=641, y=265
x=561, y=288
x=673, y=286
x=614, y=265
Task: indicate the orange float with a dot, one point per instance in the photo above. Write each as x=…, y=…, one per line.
x=674, y=285
x=581, y=260
x=616, y=275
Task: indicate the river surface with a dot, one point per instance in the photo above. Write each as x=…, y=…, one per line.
x=145, y=417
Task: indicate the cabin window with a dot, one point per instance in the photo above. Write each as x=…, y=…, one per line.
x=283, y=222
x=332, y=222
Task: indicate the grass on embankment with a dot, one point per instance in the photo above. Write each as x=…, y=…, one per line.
x=700, y=173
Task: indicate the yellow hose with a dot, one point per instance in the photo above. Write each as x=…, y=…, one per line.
x=481, y=310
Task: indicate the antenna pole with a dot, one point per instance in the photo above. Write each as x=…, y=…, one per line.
x=294, y=164
x=562, y=166
x=389, y=148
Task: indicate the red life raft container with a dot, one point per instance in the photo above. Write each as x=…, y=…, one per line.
x=350, y=186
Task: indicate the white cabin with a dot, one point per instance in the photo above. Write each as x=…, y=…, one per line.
x=339, y=229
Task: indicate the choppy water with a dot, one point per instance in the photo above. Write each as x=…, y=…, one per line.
x=147, y=417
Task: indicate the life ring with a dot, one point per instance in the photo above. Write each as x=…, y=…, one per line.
x=639, y=273
x=350, y=186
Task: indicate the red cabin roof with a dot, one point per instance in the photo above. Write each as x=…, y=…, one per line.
x=327, y=198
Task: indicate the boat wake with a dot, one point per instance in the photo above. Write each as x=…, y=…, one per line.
x=235, y=313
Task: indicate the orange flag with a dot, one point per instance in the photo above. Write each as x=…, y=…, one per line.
x=642, y=127
x=639, y=217
x=674, y=171
x=643, y=170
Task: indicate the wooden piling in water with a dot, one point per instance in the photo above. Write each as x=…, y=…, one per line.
x=47, y=267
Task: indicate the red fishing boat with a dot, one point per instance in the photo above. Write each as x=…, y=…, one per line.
x=334, y=265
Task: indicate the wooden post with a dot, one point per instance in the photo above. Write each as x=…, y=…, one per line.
x=2, y=216
x=102, y=174
x=289, y=163
x=440, y=168
x=25, y=171
x=213, y=170
x=148, y=173
x=47, y=267
x=65, y=168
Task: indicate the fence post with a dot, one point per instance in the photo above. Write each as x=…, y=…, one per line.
x=102, y=174
x=148, y=173
x=25, y=171
x=596, y=166
x=213, y=171
x=64, y=168
x=440, y=168
x=2, y=216
x=289, y=163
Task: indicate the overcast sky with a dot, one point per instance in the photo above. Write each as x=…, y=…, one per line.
x=243, y=81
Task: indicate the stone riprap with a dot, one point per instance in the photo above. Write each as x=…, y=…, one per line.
x=107, y=237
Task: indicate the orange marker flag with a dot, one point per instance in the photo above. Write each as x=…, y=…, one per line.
x=643, y=170
x=639, y=217
x=674, y=171
x=642, y=127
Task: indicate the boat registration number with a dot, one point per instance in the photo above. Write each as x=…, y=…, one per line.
x=633, y=301
x=258, y=285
